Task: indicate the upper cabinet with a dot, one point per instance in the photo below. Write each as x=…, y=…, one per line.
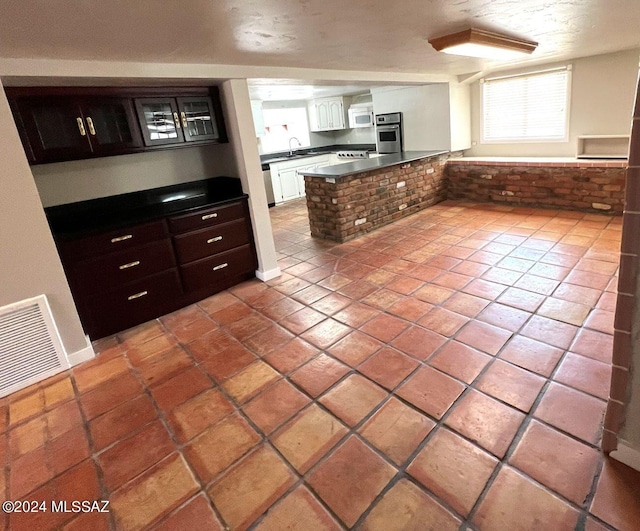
x=174, y=120
x=58, y=124
x=65, y=128
x=327, y=114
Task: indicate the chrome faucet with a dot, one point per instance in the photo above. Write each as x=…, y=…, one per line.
x=290, y=148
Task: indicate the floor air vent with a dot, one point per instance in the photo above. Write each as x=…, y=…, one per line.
x=30, y=347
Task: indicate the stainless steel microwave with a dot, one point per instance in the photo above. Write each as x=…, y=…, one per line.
x=361, y=116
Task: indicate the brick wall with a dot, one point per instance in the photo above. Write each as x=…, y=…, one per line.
x=580, y=185
x=360, y=203
x=622, y=418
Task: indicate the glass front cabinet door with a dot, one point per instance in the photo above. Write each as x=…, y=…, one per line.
x=198, y=119
x=159, y=121
x=111, y=125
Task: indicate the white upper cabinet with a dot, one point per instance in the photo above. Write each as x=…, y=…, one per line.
x=327, y=114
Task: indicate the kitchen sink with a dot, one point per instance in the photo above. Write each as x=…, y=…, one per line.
x=290, y=157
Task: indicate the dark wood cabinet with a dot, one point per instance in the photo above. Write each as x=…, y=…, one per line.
x=159, y=121
x=70, y=123
x=111, y=125
x=197, y=116
x=175, y=120
x=65, y=128
x=123, y=277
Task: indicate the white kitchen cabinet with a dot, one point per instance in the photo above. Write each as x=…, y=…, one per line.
x=286, y=179
x=327, y=114
x=289, y=183
x=258, y=117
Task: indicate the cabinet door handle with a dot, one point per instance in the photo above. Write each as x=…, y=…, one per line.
x=214, y=240
x=176, y=120
x=121, y=238
x=92, y=129
x=221, y=266
x=209, y=216
x=137, y=295
x=130, y=264
x=184, y=119
x=83, y=132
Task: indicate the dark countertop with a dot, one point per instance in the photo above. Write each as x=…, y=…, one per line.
x=362, y=165
x=75, y=220
x=272, y=158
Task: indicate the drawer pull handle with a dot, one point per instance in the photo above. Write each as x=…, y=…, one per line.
x=121, y=238
x=209, y=216
x=81, y=128
x=130, y=264
x=137, y=295
x=184, y=119
x=221, y=266
x=176, y=120
x=214, y=240
x=92, y=129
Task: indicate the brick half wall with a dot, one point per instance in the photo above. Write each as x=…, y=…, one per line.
x=360, y=203
x=588, y=186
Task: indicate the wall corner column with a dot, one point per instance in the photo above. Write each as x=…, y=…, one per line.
x=29, y=262
x=239, y=121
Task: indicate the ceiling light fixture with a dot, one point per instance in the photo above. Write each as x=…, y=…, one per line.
x=483, y=44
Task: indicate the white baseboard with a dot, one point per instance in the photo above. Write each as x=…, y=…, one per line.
x=627, y=454
x=81, y=355
x=265, y=276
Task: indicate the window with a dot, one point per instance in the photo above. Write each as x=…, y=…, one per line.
x=282, y=124
x=529, y=107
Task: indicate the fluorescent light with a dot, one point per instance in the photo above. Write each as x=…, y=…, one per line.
x=483, y=44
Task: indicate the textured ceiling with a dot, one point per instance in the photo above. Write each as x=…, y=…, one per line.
x=365, y=35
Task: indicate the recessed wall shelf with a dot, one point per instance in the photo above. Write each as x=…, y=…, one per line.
x=603, y=147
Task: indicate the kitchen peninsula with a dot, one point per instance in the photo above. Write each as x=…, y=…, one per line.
x=349, y=200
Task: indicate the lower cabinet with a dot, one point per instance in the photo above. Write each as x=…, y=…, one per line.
x=217, y=269
x=286, y=180
x=128, y=276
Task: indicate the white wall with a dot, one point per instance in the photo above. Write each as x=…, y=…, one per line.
x=460, y=116
x=360, y=135
x=602, y=96
x=29, y=262
x=79, y=180
x=426, y=114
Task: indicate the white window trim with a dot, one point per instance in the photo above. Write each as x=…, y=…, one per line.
x=539, y=140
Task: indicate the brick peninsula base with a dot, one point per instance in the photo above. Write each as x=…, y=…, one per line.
x=343, y=208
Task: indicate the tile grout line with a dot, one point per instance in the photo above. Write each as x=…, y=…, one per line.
x=496, y=355
x=177, y=446
x=353, y=370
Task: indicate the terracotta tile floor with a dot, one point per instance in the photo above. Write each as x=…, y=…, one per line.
x=448, y=371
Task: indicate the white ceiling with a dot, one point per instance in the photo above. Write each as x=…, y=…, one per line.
x=288, y=89
x=364, y=35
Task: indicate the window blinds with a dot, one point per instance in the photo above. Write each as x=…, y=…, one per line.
x=526, y=107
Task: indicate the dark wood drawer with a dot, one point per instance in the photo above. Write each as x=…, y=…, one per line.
x=116, y=240
x=217, y=269
x=206, y=217
x=115, y=269
x=133, y=303
x=202, y=243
